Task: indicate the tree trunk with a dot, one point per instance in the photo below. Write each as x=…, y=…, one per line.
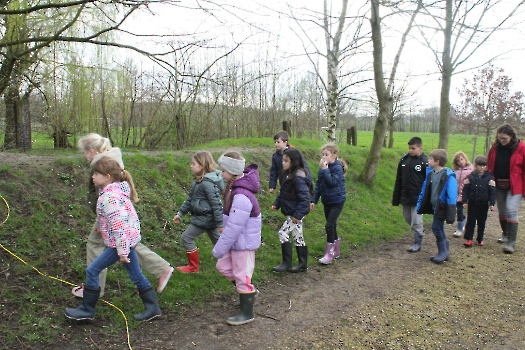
x=446, y=79
x=369, y=172
x=24, y=124
x=11, y=128
x=391, y=136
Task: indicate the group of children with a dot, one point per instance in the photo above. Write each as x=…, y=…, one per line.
x=222, y=204
x=425, y=186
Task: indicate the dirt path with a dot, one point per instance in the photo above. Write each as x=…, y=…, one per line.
x=306, y=309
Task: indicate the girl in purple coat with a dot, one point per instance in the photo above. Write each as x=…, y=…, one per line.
x=241, y=234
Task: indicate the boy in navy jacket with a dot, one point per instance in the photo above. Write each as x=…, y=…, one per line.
x=281, y=144
x=411, y=172
x=438, y=197
x=479, y=189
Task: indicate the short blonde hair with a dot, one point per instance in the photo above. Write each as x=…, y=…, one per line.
x=94, y=141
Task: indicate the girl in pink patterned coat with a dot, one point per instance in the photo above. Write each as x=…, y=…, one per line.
x=119, y=226
x=462, y=168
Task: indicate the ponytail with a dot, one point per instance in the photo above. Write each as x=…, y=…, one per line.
x=126, y=176
x=345, y=166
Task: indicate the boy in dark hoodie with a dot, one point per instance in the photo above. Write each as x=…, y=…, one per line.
x=438, y=197
x=411, y=173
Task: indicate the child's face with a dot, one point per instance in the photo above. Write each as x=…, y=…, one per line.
x=327, y=156
x=462, y=162
x=196, y=168
x=280, y=145
x=480, y=169
x=226, y=176
x=432, y=163
x=101, y=180
x=286, y=162
x=89, y=155
x=414, y=150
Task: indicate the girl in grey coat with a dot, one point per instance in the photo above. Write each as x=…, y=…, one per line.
x=204, y=203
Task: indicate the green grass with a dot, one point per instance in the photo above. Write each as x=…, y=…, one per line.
x=50, y=222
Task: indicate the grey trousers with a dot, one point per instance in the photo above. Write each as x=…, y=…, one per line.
x=414, y=219
x=148, y=260
x=192, y=232
x=508, y=204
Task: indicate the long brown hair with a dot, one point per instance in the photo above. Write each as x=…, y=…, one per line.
x=205, y=160
x=455, y=160
x=507, y=129
x=335, y=151
x=109, y=166
x=229, y=185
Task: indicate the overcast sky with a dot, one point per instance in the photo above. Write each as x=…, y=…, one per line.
x=268, y=24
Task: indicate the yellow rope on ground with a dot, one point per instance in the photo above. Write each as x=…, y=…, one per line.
x=58, y=279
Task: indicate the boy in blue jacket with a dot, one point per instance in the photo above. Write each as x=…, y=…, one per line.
x=438, y=197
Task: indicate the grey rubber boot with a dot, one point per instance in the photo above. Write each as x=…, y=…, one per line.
x=302, y=254
x=286, y=264
x=246, y=314
x=418, y=239
x=448, y=251
x=152, y=309
x=442, y=253
x=512, y=232
x=504, y=231
x=86, y=311
x=237, y=302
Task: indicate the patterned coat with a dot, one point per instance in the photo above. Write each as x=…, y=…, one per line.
x=118, y=221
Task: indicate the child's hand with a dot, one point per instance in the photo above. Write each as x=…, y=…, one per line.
x=491, y=208
x=312, y=206
x=274, y=208
x=176, y=219
x=323, y=164
x=295, y=220
x=465, y=206
x=96, y=229
x=124, y=259
x=271, y=190
x=221, y=229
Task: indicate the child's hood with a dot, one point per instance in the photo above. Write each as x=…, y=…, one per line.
x=250, y=179
x=216, y=177
x=117, y=188
x=113, y=153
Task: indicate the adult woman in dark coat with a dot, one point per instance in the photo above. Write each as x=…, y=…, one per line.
x=506, y=160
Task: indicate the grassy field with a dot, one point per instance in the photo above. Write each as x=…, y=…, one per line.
x=50, y=221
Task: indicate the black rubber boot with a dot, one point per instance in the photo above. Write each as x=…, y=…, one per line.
x=237, y=302
x=287, y=258
x=504, y=231
x=152, y=309
x=246, y=314
x=442, y=252
x=417, y=243
x=512, y=232
x=86, y=311
x=302, y=254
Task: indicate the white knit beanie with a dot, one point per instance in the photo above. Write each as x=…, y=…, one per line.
x=113, y=153
x=232, y=165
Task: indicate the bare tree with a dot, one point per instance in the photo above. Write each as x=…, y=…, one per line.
x=384, y=91
x=487, y=103
x=463, y=34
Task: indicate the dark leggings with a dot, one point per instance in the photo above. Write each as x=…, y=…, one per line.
x=476, y=212
x=331, y=213
x=459, y=210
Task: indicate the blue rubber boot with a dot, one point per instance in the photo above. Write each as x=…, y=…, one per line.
x=86, y=311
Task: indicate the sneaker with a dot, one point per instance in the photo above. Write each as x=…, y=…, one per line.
x=480, y=243
x=163, y=280
x=468, y=243
x=458, y=234
x=78, y=292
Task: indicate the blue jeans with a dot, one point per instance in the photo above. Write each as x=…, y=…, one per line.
x=438, y=228
x=108, y=258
